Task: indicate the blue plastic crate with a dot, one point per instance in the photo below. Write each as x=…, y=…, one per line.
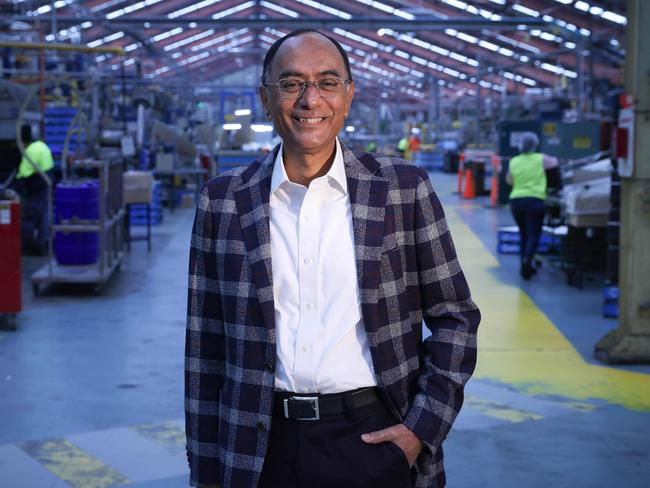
x=143, y=221
x=610, y=309
x=610, y=292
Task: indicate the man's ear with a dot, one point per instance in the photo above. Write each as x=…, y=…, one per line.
x=350, y=96
x=264, y=96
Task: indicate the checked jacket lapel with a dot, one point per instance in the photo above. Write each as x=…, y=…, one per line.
x=368, y=195
x=252, y=200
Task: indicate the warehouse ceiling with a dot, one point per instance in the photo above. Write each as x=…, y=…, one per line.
x=413, y=47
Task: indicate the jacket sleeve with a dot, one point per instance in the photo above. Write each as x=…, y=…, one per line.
x=449, y=355
x=204, y=345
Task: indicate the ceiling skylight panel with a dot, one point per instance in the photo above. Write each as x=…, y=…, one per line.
x=580, y=5
x=614, y=17
x=132, y=47
x=191, y=8
x=488, y=45
x=131, y=8
x=105, y=5
x=233, y=10
x=277, y=8
x=325, y=8
x=219, y=39
x=234, y=43
x=193, y=59
x=402, y=54
x=105, y=40
x=451, y=72
x=167, y=34
x=458, y=57
x=525, y=10
x=387, y=8
x=467, y=38
x=456, y=3
x=188, y=40
x=45, y=9
x=398, y=66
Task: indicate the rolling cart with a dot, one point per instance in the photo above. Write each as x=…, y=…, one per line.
x=109, y=227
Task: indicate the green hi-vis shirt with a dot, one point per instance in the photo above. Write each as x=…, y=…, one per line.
x=528, y=176
x=40, y=155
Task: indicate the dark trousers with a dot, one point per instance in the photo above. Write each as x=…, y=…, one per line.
x=35, y=221
x=329, y=453
x=529, y=215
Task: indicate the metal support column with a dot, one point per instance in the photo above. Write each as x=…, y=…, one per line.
x=630, y=342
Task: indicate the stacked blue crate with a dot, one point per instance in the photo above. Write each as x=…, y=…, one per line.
x=432, y=161
x=508, y=241
x=138, y=211
x=610, y=301
x=57, y=123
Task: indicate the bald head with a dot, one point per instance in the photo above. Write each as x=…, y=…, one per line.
x=271, y=53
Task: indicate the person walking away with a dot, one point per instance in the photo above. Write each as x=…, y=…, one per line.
x=527, y=175
x=33, y=190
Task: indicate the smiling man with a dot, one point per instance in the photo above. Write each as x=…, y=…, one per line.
x=310, y=275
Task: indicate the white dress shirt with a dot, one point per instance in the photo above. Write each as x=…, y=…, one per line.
x=322, y=345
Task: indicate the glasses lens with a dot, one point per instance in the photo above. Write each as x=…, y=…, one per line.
x=327, y=87
x=290, y=87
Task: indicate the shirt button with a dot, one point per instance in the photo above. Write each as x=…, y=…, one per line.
x=261, y=426
x=305, y=348
x=306, y=260
x=309, y=306
x=307, y=219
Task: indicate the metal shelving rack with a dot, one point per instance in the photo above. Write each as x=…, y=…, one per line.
x=110, y=227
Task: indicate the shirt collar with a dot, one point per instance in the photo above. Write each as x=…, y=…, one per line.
x=336, y=172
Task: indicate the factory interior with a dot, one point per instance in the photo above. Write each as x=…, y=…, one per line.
x=142, y=102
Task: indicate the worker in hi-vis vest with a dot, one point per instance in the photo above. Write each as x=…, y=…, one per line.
x=527, y=175
x=33, y=189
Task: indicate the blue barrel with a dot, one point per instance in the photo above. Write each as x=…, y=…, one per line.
x=76, y=201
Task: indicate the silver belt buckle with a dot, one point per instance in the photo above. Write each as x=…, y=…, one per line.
x=312, y=400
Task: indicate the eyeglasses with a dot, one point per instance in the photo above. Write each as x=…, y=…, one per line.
x=292, y=89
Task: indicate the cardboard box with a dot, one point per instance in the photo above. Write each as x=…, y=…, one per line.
x=138, y=187
x=588, y=220
x=165, y=162
x=188, y=201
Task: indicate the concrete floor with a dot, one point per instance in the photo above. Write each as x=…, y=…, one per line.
x=91, y=386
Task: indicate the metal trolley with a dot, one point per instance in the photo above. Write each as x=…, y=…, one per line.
x=110, y=228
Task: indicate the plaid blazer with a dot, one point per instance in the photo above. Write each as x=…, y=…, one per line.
x=407, y=271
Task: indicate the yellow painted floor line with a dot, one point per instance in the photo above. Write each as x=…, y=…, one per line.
x=72, y=465
x=499, y=411
x=166, y=433
x=520, y=346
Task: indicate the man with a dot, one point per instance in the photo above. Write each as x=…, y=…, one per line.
x=527, y=175
x=310, y=275
x=37, y=159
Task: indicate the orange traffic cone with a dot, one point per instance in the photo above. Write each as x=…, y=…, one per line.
x=494, y=188
x=470, y=191
x=461, y=172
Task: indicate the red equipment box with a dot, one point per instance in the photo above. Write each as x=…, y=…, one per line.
x=10, y=296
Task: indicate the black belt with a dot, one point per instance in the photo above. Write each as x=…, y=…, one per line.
x=311, y=406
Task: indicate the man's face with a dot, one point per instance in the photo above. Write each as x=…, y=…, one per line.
x=310, y=123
